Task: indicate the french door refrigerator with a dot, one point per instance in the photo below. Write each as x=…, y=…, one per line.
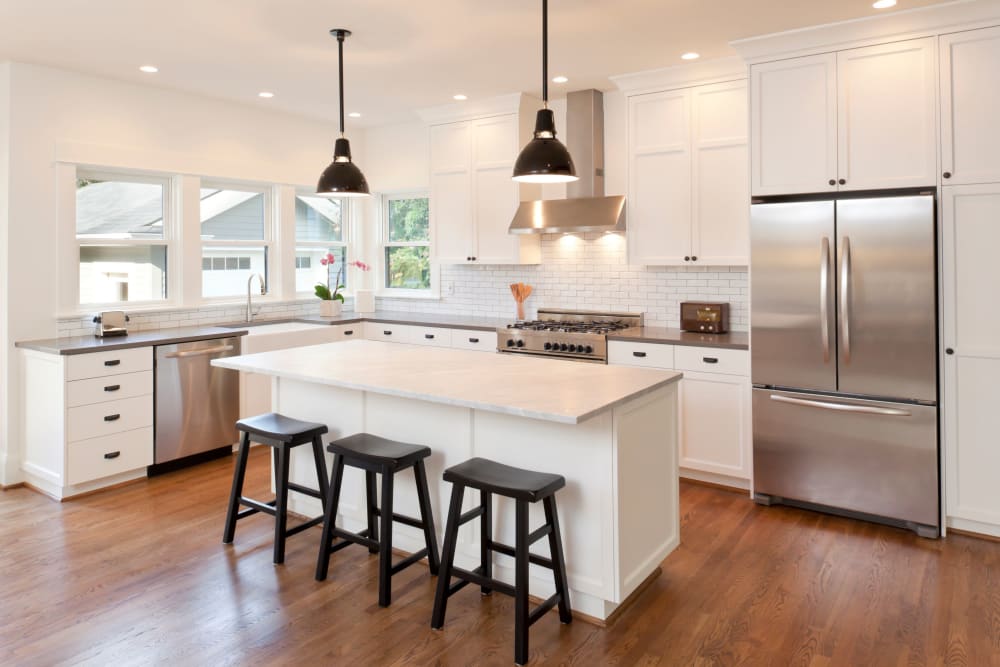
x=844, y=364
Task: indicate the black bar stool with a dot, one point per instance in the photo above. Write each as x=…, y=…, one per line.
x=281, y=433
x=374, y=454
x=524, y=486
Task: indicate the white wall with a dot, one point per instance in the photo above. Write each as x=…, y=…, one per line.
x=58, y=115
x=5, y=461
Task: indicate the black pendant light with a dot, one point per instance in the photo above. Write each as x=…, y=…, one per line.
x=544, y=159
x=342, y=178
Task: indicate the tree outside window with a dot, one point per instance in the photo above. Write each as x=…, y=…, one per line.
x=407, y=243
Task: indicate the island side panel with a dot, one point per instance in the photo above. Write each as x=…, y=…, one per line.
x=648, y=490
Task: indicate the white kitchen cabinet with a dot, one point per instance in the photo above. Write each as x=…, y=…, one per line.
x=970, y=107
x=887, y=115
x=793, y=125
x=715, y=442
x=473, y=339
x=858, y=119
x=688, y=198
x=473, y=198
x=971, y=419
x=390, y=333
x=88, y=419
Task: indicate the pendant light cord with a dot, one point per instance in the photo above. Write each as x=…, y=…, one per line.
x=545, y=53
x=340, y=50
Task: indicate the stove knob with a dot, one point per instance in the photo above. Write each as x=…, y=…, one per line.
x=572, y=348
x=563, y=347
x=588, y=349
x=548, y=346
x=520, y=343
x=510, y=342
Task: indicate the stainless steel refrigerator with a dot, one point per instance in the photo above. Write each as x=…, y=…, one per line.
x=844, y=363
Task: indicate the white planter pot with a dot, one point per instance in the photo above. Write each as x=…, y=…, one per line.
x=364, y=301
x=330, y=308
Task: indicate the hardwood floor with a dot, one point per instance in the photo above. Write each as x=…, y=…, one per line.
x=138, y=575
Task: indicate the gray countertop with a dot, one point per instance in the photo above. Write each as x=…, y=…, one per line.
x=734, y=340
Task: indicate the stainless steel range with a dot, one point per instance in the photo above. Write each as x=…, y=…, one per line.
x=580, y=335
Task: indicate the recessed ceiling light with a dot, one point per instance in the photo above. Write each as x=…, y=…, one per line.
x=884, y=4
x=149, y=69
x=690, y=55
x=265, y=94
x=559, y=79
x=354, y=114
x=460, y=97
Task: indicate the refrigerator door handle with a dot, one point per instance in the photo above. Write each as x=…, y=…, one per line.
x=824, y=296
x=868, y=409
x=845, y=298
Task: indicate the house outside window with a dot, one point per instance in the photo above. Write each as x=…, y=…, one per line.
x=321, y=226
x=235, y=237
x=406, y=247
x=122, y=239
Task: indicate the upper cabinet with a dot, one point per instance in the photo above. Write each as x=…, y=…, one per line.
x=970, y=107
x=473, y=198
x=860, y=119
x=688, y=201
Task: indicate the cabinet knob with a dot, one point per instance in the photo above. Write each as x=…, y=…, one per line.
x=694, y=258
x=833, y=181
x=113, y=455
x=843, y=181
x=949, y=350
x=947, y=174
x=349, y=332
x=687, y=258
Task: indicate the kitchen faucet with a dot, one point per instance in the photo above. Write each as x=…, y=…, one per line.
x=263, y=291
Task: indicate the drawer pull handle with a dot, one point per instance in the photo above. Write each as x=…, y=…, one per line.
x=112, y=362
x=710, y=360
x=639, y=354
x=386, y=333
x=429, y=336
x=113, y=387
x=349, y=332
x=473, y=340
x=111, y=418
x=112, y=455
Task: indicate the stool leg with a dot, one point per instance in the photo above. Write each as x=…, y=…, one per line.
x=447, y=557
x=427, y=517
x=558, y=560
x=372, y=517
x=281, y=504
x=330, y=518
x=486, y=536
x=321, y=475
x=385, y=541
x=521, y=583
x=239, y=474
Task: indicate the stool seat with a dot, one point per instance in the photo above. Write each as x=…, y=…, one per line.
x=379, y=450
x=274, y=426
x=504, y=480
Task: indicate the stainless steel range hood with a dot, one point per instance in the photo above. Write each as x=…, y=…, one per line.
x=586, y=209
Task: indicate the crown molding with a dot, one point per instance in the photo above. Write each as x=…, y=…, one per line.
x=891, y=27
x=681, y=76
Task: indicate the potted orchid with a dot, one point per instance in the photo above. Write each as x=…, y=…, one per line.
x=331, y=299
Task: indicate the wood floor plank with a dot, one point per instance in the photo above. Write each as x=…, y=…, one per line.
x=138, y=575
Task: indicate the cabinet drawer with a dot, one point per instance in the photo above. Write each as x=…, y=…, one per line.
x=468, y=339
x=99, y=364
x=712, y=360
x=435, y=336
x=110, y=388
x=390, y=333
x=351, y=331
x=651, y=355
x=110, y=455
x=99, y=419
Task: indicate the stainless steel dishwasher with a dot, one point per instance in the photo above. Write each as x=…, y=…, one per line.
x=197, y=405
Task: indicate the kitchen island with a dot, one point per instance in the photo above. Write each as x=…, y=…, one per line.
x=611, y=431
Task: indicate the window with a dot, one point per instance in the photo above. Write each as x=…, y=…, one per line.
x=122, y=238
x=235, y=237
x=320, y=229
x=407, y=247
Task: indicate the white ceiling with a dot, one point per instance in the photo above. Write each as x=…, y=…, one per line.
x=404, y=55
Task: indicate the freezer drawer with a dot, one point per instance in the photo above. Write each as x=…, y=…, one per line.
x=871, y=457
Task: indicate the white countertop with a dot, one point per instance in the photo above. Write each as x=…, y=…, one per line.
x=550, y=389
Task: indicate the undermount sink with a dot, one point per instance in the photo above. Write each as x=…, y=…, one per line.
x=257, y=329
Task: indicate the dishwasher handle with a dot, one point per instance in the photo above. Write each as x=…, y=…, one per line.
x=199, y=353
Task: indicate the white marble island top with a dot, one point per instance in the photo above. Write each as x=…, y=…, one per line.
x=550, y=389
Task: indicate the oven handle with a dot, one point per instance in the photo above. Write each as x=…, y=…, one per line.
x=867, y=409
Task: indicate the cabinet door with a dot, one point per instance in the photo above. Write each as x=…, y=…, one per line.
x=659, y=203
x=887, y=116
x=715, y=418
x=451, y=193
x=494, y=192
x=970, y=107
x=793, y=125
x=721, y=198
x=972, y=329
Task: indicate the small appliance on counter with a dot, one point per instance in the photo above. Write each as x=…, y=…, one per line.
x=111, y=323
x=705, y=316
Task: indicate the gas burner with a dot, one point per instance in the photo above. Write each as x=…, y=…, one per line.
x=579, y=335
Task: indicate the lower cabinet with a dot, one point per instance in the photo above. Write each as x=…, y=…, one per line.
x=465, y=339
x=715, y=432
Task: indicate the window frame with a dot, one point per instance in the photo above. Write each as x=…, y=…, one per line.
x=383, y=243
x=269, y=242
x=170, y=239
x=346, y=224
